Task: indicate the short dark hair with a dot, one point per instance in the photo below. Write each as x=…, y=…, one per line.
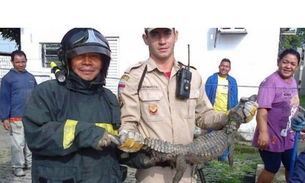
x=19, y=53
x=226, y=60
x=290, y=51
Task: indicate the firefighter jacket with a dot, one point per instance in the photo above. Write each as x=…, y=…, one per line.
x=156, y=112
x=62, y=123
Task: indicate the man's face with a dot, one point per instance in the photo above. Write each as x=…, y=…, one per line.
x=19, y=63
x=161, y=43
x=87, y=66
x=287, y=66
x=224, y=68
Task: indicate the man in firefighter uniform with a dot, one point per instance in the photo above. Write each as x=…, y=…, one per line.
x=67, y=122
x=152, y=107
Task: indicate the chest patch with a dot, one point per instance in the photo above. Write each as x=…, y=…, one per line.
x=153, y=108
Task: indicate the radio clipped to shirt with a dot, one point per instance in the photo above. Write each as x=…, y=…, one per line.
x=184, y=77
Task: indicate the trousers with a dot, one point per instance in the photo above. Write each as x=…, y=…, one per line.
x=21, y=154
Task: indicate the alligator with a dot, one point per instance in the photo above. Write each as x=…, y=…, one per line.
x=204, y=148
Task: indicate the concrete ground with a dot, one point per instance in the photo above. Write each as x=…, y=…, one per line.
x=6, y=175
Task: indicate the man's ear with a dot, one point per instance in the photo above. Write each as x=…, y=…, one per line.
x=144, y=36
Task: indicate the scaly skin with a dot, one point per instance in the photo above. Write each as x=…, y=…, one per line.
x=203, y=149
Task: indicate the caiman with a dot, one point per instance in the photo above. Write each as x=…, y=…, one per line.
x=204, y=148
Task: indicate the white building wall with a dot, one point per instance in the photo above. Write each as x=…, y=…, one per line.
x=253, y=55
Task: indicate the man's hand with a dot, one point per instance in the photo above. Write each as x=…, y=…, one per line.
x=298, y=123
x=138, y=160
x=250, y=109
x=103, y=142
x=6, y=124
x=245, y=109
x=131, y=141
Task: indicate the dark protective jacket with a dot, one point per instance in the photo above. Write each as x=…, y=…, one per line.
x=63, y=122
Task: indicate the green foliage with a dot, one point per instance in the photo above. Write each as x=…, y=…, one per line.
x=12, y=34
x=292, y=41
x=301, y=34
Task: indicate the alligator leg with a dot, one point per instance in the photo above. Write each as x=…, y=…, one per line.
x=231, y=132
x=230, y=156
x=180, y=168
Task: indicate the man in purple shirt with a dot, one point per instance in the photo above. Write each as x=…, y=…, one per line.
x=278, y=103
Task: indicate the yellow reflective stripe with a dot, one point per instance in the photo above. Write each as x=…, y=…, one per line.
x=107, y=127
x=69, y=133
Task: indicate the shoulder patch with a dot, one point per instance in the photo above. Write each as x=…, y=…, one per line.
x=125, y=77
x=137, y=65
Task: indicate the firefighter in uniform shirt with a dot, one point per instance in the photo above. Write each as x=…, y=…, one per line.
x=151, y=108
x=67, y=124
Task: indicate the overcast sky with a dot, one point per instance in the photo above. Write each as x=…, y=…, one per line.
x=6, y=45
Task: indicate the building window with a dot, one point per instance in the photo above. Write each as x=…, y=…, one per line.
x=49, y=54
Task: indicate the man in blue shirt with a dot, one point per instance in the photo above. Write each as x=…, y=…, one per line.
x=16, y=86
x=221, y=89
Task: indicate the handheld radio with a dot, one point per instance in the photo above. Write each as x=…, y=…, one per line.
x=184, y=77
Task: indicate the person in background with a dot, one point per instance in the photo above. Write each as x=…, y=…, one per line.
x=67, y=122
x=152, y=107
x=222, y=91
x=298, y=176
x=278, y=103
x=16, y=87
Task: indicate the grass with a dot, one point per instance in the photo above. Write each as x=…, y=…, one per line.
x=246, y=159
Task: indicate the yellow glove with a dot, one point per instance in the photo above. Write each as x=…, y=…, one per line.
x=131, y=141
x=245, y=109
x=250, y=110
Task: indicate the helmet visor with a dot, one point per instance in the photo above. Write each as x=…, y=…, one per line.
x=87, y=49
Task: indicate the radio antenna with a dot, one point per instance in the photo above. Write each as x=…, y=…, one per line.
x=188, y=64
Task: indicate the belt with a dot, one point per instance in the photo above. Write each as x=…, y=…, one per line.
x=12, y=120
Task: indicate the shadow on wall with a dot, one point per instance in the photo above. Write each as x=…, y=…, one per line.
x=222, y=42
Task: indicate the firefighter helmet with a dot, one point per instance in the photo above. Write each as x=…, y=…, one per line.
x=79, y=41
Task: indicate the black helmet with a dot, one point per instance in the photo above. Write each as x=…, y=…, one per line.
x=79, y=41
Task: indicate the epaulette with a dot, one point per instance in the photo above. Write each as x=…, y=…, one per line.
x=137, y=65
x=180, y=63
